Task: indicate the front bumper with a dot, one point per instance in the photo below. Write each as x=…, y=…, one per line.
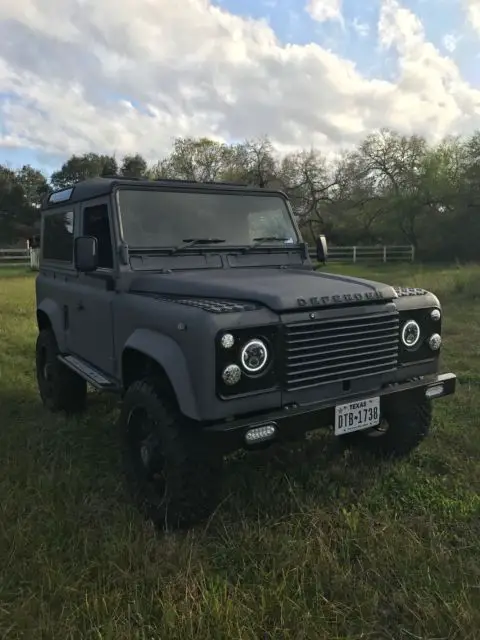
x=294, y=423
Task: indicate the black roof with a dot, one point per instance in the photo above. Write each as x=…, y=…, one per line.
x=96, y=187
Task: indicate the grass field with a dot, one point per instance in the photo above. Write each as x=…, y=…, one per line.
x=310, y=543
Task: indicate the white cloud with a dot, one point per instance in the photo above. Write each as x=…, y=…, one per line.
x=450, y=42
x=84, y=75
x=473, y=13
x=361, y=28
x=433, y=98
x=324, y=10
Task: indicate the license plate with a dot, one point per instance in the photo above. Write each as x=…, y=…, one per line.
x=355, y=416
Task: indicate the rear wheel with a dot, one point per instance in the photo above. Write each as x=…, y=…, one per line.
x=401, y=431
x=173, y=477
x=61, y=389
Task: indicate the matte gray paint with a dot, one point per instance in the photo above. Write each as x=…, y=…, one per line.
x=55, y=316
x=278, y=289
x=180, y=337
x=168, y=355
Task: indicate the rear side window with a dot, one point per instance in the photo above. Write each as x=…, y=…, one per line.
x=57, y=241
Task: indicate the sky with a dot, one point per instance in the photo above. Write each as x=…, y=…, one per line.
x=128, y=76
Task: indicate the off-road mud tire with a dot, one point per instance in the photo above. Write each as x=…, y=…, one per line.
x=61, y=389
x=188, y=490
x=407, y=426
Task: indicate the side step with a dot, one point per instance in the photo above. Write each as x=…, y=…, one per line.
x=90, y=374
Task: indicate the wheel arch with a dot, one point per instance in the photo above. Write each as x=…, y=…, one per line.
x=148, y=353
x=49, y=316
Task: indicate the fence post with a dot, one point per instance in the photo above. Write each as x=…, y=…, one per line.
x=384, y=253
x=412, y=259
x=354, y=254
x=34, y=258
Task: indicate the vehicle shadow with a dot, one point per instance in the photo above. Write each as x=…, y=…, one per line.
x=318, y=473
x=262, y=486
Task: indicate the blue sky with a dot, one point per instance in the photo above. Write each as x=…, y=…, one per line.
x=355, y=37
x=87, y=109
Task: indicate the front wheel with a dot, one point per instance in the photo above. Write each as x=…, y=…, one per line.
x=173, y=477
x=403, y=428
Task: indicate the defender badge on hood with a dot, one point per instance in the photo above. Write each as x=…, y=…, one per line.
x=318, y=301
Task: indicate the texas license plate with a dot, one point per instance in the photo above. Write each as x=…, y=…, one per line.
x=358, y=415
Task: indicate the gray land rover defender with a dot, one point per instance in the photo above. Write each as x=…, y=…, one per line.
x=200, y=306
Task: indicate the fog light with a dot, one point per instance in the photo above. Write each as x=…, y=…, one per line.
x=434, y=392
x=435, y=315
x=231, y=374
x=227, y=341
x=259, y=434
x=435, y=342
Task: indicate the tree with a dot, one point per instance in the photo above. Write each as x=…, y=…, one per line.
x=392, y=189
x=77, y=168
x=134, y=166
x=253, y=162
x=11, y=202
x=34, y=185
x=394, y=165
x=20, y=196
x=200, y=160
x=310, y=184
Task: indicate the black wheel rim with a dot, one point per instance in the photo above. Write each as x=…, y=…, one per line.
x=144, y=450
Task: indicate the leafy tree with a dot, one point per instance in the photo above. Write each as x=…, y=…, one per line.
x=20, y=196
x=391, y=189
x=134, y=166
x=200, y=160
x=76, y=168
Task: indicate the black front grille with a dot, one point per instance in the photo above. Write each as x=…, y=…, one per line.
x=322, y=351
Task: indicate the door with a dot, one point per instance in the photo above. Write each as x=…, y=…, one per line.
x=91, y=314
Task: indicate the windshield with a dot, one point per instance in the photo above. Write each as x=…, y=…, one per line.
x=169, y=218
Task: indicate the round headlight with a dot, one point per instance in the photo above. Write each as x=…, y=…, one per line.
x=254, y=356
x=435, y=315
x=227, y=341
x=411, y=334
x=231, y=374
x=435, y=342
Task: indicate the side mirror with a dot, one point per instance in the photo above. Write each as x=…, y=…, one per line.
x=322, y=249
x=86, y=254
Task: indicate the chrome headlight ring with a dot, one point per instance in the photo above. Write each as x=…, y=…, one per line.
x=411, y=334
x=254, y=356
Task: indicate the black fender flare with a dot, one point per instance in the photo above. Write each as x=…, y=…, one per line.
x=55, y=315
x=168, y=354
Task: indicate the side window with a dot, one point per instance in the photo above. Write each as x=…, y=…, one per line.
x=58, y=236
x=97, y=224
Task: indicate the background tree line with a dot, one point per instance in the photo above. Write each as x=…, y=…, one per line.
x=392, y=189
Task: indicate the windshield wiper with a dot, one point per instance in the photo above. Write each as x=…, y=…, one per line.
x=190, y=242
x=259, y=241
x=269, y=239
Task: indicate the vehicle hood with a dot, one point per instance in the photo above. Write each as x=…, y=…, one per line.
x=278, y=289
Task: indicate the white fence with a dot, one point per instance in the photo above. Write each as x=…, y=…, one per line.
x=29, y=258
x=19, y=258
x=392, y=253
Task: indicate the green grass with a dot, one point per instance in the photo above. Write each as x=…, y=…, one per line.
x=15, y=272
x=307, y=543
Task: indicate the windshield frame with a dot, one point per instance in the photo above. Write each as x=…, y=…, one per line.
x=217, y=190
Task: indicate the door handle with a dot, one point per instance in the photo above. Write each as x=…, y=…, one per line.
x=80, y=306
